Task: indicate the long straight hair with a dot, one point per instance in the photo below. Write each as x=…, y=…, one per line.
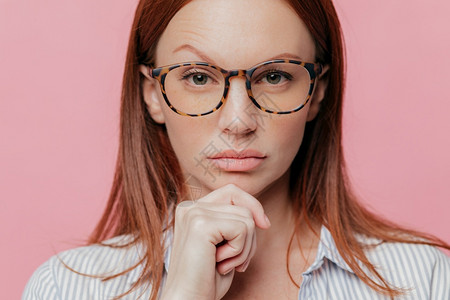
x=148, y=179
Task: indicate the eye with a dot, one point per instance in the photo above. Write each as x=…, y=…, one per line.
x=200, y=79
x=274, y=77
x=196, y=77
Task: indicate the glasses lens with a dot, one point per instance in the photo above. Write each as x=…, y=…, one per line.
x=280, y=86
x=194, y=89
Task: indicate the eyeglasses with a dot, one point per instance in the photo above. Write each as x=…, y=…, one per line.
x=280, y=86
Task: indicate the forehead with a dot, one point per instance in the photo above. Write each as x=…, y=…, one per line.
x=235, y=33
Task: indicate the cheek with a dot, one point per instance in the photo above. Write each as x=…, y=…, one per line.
x=187, y=136
x=290, y=131
x=287, y=137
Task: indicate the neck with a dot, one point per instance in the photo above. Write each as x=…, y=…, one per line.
x=278, y=206
x=274, y=260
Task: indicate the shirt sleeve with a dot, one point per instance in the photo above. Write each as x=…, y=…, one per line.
x=42, y=284
x=440, y=281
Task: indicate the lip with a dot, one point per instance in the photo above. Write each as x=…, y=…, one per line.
x=237, y=161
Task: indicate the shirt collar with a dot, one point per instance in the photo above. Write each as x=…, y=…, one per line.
x=327, y=250
x=134, y=274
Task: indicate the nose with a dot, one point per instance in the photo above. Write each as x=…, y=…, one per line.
x=237, y=116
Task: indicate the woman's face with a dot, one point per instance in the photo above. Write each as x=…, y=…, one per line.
x=234, y=34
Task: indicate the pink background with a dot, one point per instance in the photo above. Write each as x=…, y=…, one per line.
x=61, y=64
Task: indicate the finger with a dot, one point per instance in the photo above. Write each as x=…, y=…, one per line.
x=226, y=250
x=244, y=266
x=236, y=262
x=215, y=226
x=237, y=231
x=240, y=211
x=231, y=194
x=229, y=246
x=228, y=210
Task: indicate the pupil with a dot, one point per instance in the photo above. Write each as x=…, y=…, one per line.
x=200, y=79
x=273, y=78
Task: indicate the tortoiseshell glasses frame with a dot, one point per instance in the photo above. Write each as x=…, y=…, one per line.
x=160, y=74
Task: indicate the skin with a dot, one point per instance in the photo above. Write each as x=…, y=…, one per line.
x=233, y=206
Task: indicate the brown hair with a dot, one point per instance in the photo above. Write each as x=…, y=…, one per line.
x=148, y=179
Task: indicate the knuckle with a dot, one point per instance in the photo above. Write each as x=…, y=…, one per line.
x=251, y=225
x=244, y=228
x=248, y=218
x=198, y=222
x=182, y=210
x=237, y=249
x=247, y=213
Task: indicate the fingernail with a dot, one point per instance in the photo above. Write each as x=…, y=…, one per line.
x=228, y=272
x=267, y=220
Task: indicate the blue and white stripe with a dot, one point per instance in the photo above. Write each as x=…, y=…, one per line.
x=423, y=271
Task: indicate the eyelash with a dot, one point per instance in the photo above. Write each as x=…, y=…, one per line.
x=287, y=76
x=191, y=72
x=187, y=74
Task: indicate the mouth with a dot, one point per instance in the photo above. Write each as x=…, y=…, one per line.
x=237, y=161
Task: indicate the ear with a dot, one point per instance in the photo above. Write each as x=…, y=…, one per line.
x=150, y=90
x=318, y=94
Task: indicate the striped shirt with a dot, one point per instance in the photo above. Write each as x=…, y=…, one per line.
x=423, y=271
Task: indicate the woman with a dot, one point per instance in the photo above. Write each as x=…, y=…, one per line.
x=230, y=180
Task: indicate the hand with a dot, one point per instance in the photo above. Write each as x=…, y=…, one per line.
x=214, y=237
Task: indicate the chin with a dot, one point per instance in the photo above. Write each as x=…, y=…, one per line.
x=256, y=183
x=250, y=183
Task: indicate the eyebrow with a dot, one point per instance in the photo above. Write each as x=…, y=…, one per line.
x=206, y=58
x=286, y=55
x=194, y=50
